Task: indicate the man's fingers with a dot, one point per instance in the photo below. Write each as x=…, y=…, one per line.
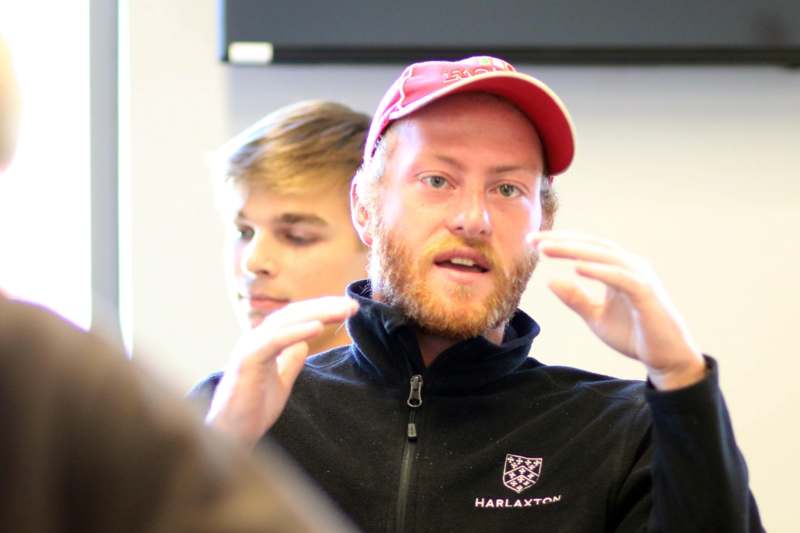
x=581, y=251
x=563, y=236
x=573, y=295
x=264, y=345
x=327, y=310
x=297, y=322
x=616, y=277
x=599, y=260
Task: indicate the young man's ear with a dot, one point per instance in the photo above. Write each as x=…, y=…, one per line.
x=360, y=215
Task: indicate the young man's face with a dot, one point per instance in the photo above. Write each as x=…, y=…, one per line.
x=459, y=194
x=287, y=247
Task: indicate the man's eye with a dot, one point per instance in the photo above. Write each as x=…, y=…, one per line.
x=437, y=182
x=507, y=190
x=243, y=233
x=298, y=239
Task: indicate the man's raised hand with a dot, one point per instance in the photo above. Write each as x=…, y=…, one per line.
x=265, y=364
x=635, y=316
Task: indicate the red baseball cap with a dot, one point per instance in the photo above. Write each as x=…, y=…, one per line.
x=423, y=83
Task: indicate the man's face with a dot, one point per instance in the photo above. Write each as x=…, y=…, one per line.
x=287, y=247
x=459, y=194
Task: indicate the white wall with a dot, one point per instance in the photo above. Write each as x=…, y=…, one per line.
x=694, y=168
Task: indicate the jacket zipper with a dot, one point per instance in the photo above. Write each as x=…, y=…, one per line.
x=414, y=402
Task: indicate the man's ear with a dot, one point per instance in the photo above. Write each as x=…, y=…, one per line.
x=547, y=222
x=360, y=215
x=549, y=204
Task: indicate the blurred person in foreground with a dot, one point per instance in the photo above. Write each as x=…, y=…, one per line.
x=90, y=444
x=436, y=418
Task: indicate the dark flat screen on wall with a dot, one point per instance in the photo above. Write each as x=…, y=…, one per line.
x=531, y=31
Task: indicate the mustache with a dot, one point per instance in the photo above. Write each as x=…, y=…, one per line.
x=450, y=242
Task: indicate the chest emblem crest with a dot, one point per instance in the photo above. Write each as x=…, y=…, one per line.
x=520, y=473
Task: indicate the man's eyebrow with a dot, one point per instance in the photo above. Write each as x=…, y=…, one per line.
x=300, y=218
x=449, y=161
x=500, y=169
x=291, y=218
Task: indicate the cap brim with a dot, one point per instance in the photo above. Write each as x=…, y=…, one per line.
x=541, y=105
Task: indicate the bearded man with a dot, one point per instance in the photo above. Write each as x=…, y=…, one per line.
x=435, y=418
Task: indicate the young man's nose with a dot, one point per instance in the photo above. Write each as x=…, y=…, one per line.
x=260, y=257
x=470, y=217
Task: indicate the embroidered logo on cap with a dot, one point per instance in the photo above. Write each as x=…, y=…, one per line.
x=482, y=65
x=521, y=473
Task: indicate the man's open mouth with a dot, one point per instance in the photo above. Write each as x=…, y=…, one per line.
x=463, y=261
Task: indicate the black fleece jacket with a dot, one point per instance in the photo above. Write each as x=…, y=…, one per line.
x=488, y=439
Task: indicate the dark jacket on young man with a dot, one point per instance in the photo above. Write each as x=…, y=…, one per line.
x=489, y=439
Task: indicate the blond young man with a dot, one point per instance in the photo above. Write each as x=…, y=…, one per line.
x=283, y=189
x=435, y=418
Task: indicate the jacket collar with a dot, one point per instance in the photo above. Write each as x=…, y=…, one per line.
x=385, y=346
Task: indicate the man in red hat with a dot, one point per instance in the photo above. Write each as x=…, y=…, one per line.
x=435, y=418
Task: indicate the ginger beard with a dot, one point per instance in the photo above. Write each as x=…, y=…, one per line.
x=400, y=280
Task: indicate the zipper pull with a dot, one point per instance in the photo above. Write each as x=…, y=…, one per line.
x=414, y=401
x=415, y=394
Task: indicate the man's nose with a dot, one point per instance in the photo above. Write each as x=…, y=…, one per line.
x=259, y=257
x=471, y=218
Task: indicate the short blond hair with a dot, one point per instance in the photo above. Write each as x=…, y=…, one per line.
x=308, y=146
